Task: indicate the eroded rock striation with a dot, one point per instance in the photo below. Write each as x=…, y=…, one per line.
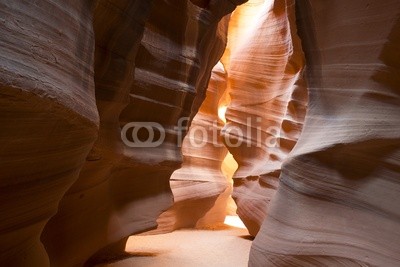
x=48, y=117
x=74, y=73
x=95, y=207
x=338, y=197
x=126, y=188
x=268, y=101
x=200, y=182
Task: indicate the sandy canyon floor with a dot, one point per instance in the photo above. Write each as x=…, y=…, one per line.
x=222, y=247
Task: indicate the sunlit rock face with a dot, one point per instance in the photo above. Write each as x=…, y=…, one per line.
x=268, y=101
x=48, y=117
x=200, y=182
x=338, y=199
x=153, y=63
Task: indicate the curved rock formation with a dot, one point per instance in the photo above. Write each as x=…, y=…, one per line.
x=48, y=117
x=268, y=100
x=200, y=182
x=153, y=64
x=91, y=208
x=338, y=198
x=153, y=61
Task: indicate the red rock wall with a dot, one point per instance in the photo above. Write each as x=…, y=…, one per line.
x=200, y=182
x=48, y=117
x=95, y=208
x=173, y=58
x=135, y=61
x=268, y=101
x=338, y=197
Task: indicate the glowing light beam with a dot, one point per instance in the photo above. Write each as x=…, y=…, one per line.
x=234, y=221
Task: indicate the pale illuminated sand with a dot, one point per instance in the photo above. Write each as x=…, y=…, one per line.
x=226, y=246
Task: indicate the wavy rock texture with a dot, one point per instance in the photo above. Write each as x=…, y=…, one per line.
x=200, y=182
x=48, y=117
x=338, y=198
x=153, y=64
x=241, y=22
x=268, y=102
x=94, y=211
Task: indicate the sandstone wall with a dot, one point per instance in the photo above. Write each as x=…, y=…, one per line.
x=171, y=50
x=94, y=211
x=337, y=202
x=74, y=73
x=200, y=182
x=48, y=117
x=268, y=101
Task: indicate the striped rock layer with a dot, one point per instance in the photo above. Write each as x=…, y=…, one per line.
x=200, y=188
x=73, y=74
x=268, y=101
x=338, y=198
x=48, y=117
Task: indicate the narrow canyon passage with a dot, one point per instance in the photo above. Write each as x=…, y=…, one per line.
x=200, y=133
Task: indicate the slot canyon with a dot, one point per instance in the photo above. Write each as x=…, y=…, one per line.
x=200, y=133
